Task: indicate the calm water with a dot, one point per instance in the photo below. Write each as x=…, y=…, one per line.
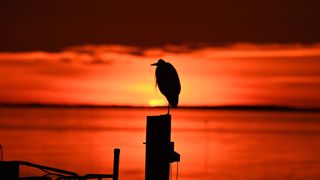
x=212, y=144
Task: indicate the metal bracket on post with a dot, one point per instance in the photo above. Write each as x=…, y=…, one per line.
x=159, y=148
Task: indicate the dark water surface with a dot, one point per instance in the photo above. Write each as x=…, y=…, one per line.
x=214, y=144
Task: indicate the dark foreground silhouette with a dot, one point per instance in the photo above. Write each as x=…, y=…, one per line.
x=10, y=170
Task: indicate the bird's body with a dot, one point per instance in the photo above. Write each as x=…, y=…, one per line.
x=168, y=82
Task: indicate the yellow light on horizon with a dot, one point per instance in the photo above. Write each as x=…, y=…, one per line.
x=157, y=102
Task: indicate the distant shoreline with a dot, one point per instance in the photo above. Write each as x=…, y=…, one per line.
x=225, y=107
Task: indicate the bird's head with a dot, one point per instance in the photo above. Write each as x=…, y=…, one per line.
x=160, y=61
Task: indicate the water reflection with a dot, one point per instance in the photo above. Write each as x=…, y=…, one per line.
x=212, y=144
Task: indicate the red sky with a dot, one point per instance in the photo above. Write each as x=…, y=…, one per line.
x=280, y=74
x=99, y=52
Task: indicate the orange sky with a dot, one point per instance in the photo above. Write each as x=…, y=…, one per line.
x=121, y=75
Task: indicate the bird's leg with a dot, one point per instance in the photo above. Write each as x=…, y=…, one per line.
x=168, y=109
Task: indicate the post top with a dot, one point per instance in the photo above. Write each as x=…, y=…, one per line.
x=160, y=116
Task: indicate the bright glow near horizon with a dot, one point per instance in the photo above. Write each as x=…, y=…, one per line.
x=122, y=75
x=157, y=102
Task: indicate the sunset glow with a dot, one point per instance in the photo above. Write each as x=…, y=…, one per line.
x=122, y=75
x=76, y=83
x=157, y=102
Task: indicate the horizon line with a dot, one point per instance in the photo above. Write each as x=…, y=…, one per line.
x=265, y=107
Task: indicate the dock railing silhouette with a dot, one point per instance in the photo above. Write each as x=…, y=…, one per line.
x=1, y=153
x=11, y=170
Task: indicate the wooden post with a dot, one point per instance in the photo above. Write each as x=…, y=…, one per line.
x=116, y=163
x=158, y=147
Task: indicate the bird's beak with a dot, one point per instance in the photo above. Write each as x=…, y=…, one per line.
x=154, y=64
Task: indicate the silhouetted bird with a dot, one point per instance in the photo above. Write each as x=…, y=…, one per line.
x=168, y=82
